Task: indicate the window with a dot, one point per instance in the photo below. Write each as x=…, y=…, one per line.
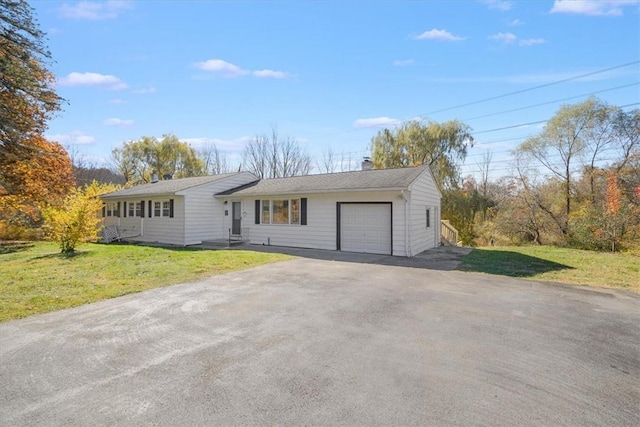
x=279, y=212
x=162, y=209
x=428, y=217
x=295, y=211
x=266, y=215
x=285, y=211
x=111, y=209
x=135, y=209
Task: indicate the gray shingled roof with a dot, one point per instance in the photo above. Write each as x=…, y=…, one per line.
x=378, y=179
x=170, y=186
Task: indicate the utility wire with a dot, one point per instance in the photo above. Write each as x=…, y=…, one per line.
x=537, y=122
x=593, y=73
x=550, y=102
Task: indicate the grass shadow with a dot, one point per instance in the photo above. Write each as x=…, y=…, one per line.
x=60, y=255
x=507, y=263
x=11, y=247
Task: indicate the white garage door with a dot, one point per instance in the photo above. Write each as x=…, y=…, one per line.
x=365, y=228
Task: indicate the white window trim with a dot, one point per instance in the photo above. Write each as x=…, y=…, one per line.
x=111, y=209
x=162, y=208
x=136, y=208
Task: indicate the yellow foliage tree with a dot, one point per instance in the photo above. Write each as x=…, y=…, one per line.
x=77, y=220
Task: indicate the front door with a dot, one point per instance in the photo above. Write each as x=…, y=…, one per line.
x=236, y=214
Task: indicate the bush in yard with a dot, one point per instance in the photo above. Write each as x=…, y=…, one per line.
x=77, y=220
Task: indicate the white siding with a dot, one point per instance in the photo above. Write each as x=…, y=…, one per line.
x=321, y=229
x=423, y=194
x=152, y=230
x=197, y=215
x=205, y=213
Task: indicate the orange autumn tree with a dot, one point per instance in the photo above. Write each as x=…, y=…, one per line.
x=610, y=223
x=618, y=214
x=30, y=182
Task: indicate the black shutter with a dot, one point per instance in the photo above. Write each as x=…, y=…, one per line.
x=142, y=209
x=125, y=209
x=118, y=211
x=257, y=212
x=104, y=210
x=150, y=207
x=303, y=211
x=170, y=208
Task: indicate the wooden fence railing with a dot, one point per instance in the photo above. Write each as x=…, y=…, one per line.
x=448, y=233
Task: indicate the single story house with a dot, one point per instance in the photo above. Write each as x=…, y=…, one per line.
x=174, y=211
x=382, y=211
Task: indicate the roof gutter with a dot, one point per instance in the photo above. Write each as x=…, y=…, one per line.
x=315, y=191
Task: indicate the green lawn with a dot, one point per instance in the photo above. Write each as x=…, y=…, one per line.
x=548, y=263
x=36, y=278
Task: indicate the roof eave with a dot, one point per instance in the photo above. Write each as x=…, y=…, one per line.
x=128, y=196
x=315, y=191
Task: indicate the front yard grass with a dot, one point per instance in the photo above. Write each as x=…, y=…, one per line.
x=36, y=278
x=549, y=263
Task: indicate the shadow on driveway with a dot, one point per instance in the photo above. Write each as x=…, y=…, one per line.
x=445, y=258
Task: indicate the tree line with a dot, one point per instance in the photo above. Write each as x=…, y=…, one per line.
x=576, y=183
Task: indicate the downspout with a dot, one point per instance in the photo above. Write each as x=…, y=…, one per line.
x=407, y=236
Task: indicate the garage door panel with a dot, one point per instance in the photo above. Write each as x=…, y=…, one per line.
x=365, y=227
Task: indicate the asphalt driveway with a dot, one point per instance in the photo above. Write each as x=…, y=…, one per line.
x=320, y=342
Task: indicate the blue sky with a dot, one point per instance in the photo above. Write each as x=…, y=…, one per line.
x=330, y=74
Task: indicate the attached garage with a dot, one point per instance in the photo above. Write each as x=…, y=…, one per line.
x=365, y=227
x=381, y=211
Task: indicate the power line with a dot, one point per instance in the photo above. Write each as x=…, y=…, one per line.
x=604, y=70
x=551, y=102
x=536, y=122
x=593, y=73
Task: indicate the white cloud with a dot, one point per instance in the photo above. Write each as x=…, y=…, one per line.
x=376, y=122
x=270, y=74
x=118, y=122
x=94, y=11
x=531, y=42
x=506, y=38
x=93, y=79
x=223, y=67
x=117, y=101
x=72, y=138
x=402, y=62
x=437, y=34
x=592, y=7
x=510, y=38
x=500, y=5
x=228, y=69
x=515, y=23
x=144, y=90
